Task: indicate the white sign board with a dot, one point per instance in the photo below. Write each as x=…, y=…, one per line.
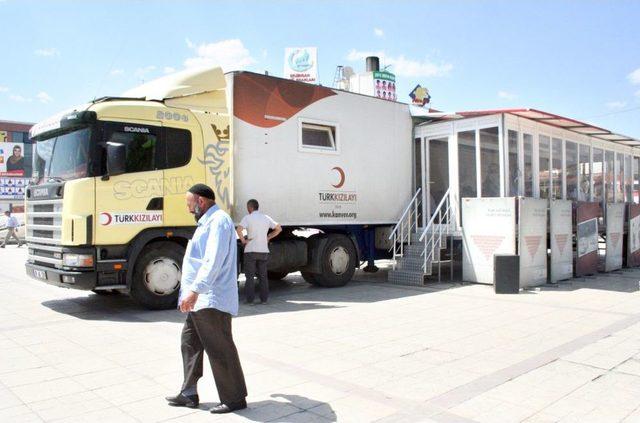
x=615, y=226
x=532, y=237
x=489, y=227
x=560, y=213
x=301, y=64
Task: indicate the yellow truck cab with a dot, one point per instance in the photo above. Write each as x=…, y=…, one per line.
x=107, y=208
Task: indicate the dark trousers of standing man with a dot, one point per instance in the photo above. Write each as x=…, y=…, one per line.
x=209, y=330
x=256, y=263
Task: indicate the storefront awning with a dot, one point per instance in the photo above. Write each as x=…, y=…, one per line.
x=553, y=120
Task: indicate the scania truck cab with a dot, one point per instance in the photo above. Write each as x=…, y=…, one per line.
x=106, y=208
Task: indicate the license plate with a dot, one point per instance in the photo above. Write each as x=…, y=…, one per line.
x=40, y=274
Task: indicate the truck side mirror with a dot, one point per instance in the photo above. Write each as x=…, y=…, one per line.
x=116, y=158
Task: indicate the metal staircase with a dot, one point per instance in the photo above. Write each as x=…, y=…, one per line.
x=417, y=252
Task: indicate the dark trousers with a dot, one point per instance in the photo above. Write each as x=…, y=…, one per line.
x=209, y=330
x=256, y=263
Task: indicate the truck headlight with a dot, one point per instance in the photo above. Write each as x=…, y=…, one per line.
x=78, y=260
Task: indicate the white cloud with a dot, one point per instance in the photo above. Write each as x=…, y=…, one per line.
x=169, y=69
x=378, y=32
x=3, y=89
x=229, y=54
x=506, y=95
x=142, y=72
x=116, y=72
x=403, y=66
x=19, y=98
x=616, y=105
x=47, y=52
x=634, y=77
x=43, y=97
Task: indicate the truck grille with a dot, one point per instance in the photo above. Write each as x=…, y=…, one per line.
x=45, y=255
x=44, y=221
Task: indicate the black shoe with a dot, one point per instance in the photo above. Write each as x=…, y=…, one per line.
x=263, y=302
x=1, y=246
x=228, y=408
x=370, y=269
x=182, y=400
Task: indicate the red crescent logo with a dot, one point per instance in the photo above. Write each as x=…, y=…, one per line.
x=342, y=177
x=105, y=219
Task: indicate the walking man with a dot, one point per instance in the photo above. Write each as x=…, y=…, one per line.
x=256, y=249
x=209, y=296
x=12, y=229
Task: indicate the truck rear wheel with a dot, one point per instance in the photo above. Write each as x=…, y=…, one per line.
x=309, y=277
x=338, y=262
x=156, y=275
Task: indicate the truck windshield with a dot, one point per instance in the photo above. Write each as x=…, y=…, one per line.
x=65, y=156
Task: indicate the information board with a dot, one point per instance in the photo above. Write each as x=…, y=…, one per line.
x=561, y=232
x=587, y=214
x=532, y=241
x=614, y=232
x=633, y=239
x=489, y=228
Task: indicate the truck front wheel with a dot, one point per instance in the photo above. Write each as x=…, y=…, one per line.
x=156, y=275
x=338, y=262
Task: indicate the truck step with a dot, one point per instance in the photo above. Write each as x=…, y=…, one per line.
x=406, y=277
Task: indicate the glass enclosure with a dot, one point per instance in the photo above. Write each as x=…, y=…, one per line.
x=467, y=157
x=490, y=162
x=609, y=172
x=544, y=174
x=598, y=174
x=513, y=178
x=438, y=170
x=527, y=147
x=584, y=166
x=571, y=165
x=556, y=172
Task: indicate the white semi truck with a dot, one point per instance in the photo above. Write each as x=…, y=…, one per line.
x=107, y=210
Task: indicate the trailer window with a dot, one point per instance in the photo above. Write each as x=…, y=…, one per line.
x=319, y=136
x=584, y=167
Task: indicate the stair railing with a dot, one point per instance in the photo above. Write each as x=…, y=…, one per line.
x=407, y=223
x=441, y=225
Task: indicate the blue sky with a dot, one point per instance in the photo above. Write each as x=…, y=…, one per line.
x=579, y=59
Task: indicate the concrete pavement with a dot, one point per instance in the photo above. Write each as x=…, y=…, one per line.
x=366, y=352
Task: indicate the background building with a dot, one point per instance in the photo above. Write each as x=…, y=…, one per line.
x=15, y=163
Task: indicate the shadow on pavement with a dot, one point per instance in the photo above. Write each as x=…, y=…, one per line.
x=288, y=295
x=265, y=411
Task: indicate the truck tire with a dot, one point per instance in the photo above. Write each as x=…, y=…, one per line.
x=276, y=276
x=338, y=262
x=156, y=275
x=309, y=277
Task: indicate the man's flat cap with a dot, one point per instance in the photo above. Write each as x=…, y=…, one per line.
x=203, y=191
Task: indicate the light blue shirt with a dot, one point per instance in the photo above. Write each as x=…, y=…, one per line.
x=12, y=222
x=209, y=266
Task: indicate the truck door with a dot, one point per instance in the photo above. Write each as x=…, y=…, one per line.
x=128, y=203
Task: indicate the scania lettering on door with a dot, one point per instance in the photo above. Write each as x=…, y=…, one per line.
x=131, y=218
x=154, y=187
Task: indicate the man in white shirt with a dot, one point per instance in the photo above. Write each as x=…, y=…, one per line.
x=256, y=249
x=12, y=229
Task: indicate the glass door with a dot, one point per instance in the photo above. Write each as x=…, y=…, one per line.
x=437, y=171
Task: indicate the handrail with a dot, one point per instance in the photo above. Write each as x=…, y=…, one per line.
x=445, y=197
x=406, y=210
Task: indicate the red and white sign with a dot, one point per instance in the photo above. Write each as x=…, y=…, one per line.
x=131, y=218
x=561, y=225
